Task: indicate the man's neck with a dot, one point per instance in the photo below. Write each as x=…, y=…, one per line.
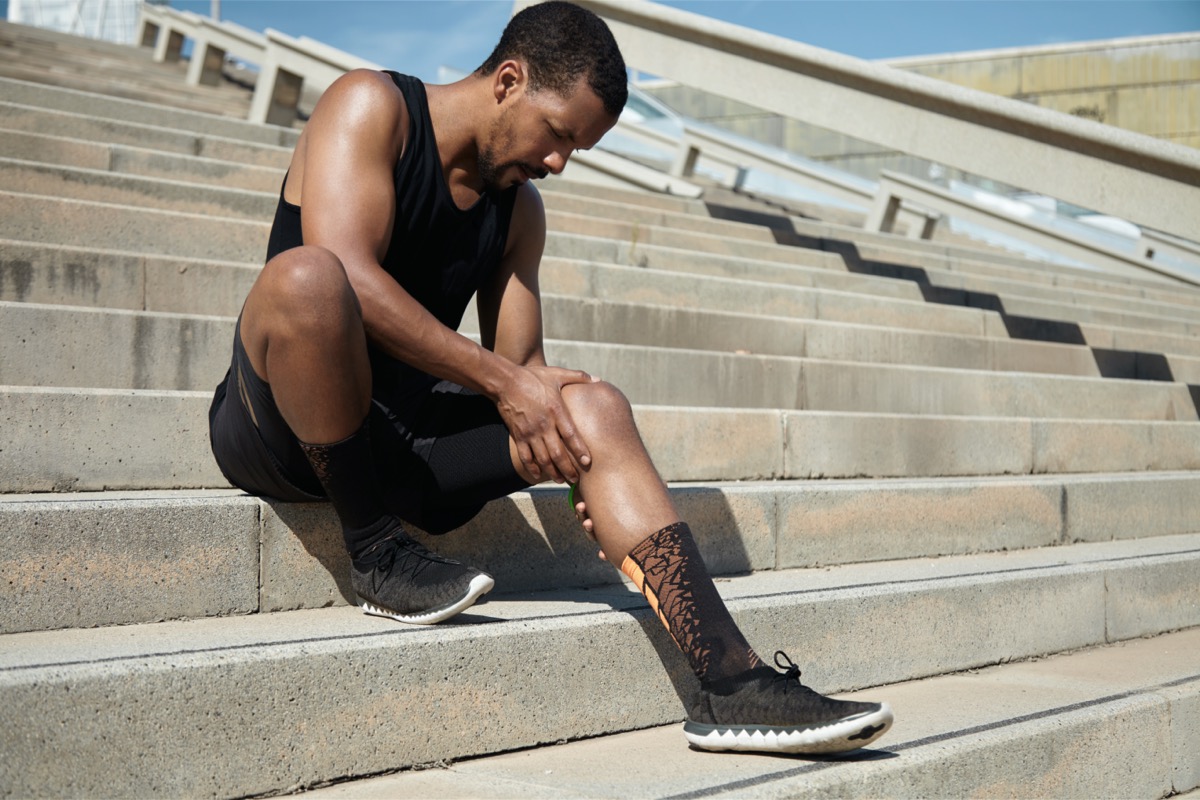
x=453, y=112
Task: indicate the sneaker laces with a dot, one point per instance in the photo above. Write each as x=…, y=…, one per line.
x=791, y=672
x=415, y=559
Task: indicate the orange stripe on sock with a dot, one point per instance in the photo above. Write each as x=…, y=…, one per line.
x=634, y=572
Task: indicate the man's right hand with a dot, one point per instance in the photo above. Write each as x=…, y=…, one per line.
x=548, y=445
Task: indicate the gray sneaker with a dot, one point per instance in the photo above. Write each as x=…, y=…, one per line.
x=768, y=711
x=401, y=579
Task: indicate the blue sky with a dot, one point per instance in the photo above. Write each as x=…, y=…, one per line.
x=417, y=36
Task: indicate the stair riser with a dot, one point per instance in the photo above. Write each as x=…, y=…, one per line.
x=66, y=347
x=107, y=107
x=74, y=276
x=30, y=119
x=86, y=440
x=276, y=716
x=245, y=555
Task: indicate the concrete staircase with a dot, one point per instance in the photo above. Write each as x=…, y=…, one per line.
x=1009, y=455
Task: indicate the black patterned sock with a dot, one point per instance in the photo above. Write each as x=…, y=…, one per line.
x=666, y=566
x=346, y=470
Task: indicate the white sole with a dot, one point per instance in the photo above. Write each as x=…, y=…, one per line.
x=836, y=737
x=479, y=586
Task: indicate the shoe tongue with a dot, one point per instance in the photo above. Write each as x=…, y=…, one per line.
x=732, y=683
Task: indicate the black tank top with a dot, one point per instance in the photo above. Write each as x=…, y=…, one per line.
x=439, y=253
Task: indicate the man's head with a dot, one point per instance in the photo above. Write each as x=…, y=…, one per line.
x=560, y=43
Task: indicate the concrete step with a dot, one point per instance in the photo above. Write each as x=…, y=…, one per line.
x=1004, y=278
x=103, y=188
x=101, y=185
x=79, y=223
x=60, y=439
x=140, y=161
x=113, y=108
x=91, y=559
x=30, y=119
x=56, y=275
x=661, y=202
x=46, y=345
x=115, y=71
x=53, y=75
x=1015, y=729
x=277, y=700
x=978, y=254
x=642, y=243
x=72, y=42
x=929, y=264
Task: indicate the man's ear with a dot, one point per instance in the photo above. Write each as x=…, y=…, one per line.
x=510, y=79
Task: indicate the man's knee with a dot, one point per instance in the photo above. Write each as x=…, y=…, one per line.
x=598, y=409
x=308, y=279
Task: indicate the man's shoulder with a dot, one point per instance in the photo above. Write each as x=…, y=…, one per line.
x=366, y=103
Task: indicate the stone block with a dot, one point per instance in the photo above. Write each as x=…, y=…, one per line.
x=68, y=346
x=1152, y=596
x=945, y=624
x=85, y=440
x=77, y=562
x=135, y=190
x=80, y=223
x=36, y=273
x=1185, y=736
x=1131, y=506
x=842, y=522
x=712, y=444
x=832, y=445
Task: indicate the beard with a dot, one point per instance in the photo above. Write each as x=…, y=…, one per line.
x=491, y=169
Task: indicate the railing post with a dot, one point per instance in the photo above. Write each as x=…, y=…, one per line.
x=882, y=216
x=923, y=228
x=148, y=31
x=739, y=178
x=206, y=65
x=685, y=160
x=169, y=46
x=276, y=95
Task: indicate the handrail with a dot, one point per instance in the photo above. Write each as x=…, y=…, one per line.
x=1113, y=171
x=893, y=187
x=1155, y=245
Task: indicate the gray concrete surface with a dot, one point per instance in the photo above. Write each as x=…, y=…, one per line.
x=108, y=559
x=107, y=107
x=53, y=345
x=31, y=119
x=530, y=541
x=288, y=682
x=1104, y=722
x=131, y=439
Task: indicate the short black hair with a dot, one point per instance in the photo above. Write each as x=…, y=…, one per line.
x=559, y=43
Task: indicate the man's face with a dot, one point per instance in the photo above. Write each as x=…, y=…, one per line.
x=536, y=132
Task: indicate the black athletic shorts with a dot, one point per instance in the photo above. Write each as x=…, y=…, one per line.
x=440, y=459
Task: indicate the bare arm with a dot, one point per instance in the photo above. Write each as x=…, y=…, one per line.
x=510, y=324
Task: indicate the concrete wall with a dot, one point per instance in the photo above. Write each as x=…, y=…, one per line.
x=1146, y=84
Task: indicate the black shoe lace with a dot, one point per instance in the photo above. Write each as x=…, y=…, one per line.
x=791, y=672
x=414, y=560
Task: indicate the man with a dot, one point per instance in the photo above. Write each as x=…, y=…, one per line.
x=349, y=382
